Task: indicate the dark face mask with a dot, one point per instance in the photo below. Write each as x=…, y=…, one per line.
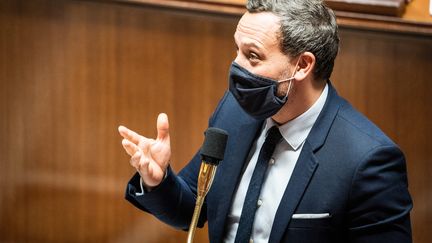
x=257, y=95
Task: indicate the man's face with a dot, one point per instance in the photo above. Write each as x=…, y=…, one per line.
x=258, y=46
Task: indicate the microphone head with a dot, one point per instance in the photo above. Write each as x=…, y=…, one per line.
x=213, y=148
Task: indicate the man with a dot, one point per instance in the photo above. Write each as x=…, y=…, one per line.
x=332, y=176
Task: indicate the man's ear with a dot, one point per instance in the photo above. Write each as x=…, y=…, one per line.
x=305, y=66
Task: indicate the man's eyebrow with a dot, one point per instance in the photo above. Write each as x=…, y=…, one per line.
x=252, y=44
x=246, y=43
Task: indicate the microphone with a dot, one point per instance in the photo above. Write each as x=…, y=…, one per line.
x=212, y=152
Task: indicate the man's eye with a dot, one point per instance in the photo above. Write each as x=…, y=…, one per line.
x=253, y=56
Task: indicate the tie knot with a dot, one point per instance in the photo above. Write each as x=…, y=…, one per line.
x=273, y=135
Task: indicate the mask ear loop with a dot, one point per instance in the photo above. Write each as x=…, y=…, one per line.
x=290, y=79
x=289, y=85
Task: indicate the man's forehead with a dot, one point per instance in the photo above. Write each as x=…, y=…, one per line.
x=264, y=26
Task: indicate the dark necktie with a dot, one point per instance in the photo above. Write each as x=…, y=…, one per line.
x=250, y=204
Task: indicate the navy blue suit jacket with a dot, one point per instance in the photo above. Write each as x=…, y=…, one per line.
x=347, y=168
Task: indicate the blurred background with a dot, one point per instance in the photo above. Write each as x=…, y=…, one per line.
x=72, y=71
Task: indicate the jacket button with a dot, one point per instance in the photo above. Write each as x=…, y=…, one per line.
x=272, y=161
x=260, y=202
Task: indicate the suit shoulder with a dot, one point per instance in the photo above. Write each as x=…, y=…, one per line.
x=359, y=127
x=352, y=137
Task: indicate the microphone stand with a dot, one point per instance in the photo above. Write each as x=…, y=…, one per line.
x=205, y=179
x=212, y=152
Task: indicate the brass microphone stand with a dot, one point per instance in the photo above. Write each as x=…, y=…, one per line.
x=205, y=179
x=212, y=152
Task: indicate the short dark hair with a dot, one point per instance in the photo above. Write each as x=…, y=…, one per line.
x=306, y=25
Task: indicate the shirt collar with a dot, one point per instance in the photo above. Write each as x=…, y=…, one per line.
x=296, y=130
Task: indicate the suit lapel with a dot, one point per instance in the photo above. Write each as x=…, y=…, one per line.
x=300, y=178
x=306, y=165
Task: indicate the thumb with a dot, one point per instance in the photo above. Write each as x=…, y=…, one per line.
x=162, y=126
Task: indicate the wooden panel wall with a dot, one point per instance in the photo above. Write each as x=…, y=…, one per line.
x=72, y=71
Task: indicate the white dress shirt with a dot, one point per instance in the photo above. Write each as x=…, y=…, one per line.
x=278, y=173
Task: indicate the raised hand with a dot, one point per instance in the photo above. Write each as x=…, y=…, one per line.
x=150, y=157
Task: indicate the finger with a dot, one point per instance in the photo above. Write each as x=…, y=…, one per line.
x=135, y=160
x=129, y=147
x=162, y=127
x=129, y=134
x=144, y=163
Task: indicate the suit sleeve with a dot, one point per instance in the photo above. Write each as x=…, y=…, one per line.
x=380, y=203
x=172, y=201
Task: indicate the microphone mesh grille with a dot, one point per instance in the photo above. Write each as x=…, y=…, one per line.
x=214, y=144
